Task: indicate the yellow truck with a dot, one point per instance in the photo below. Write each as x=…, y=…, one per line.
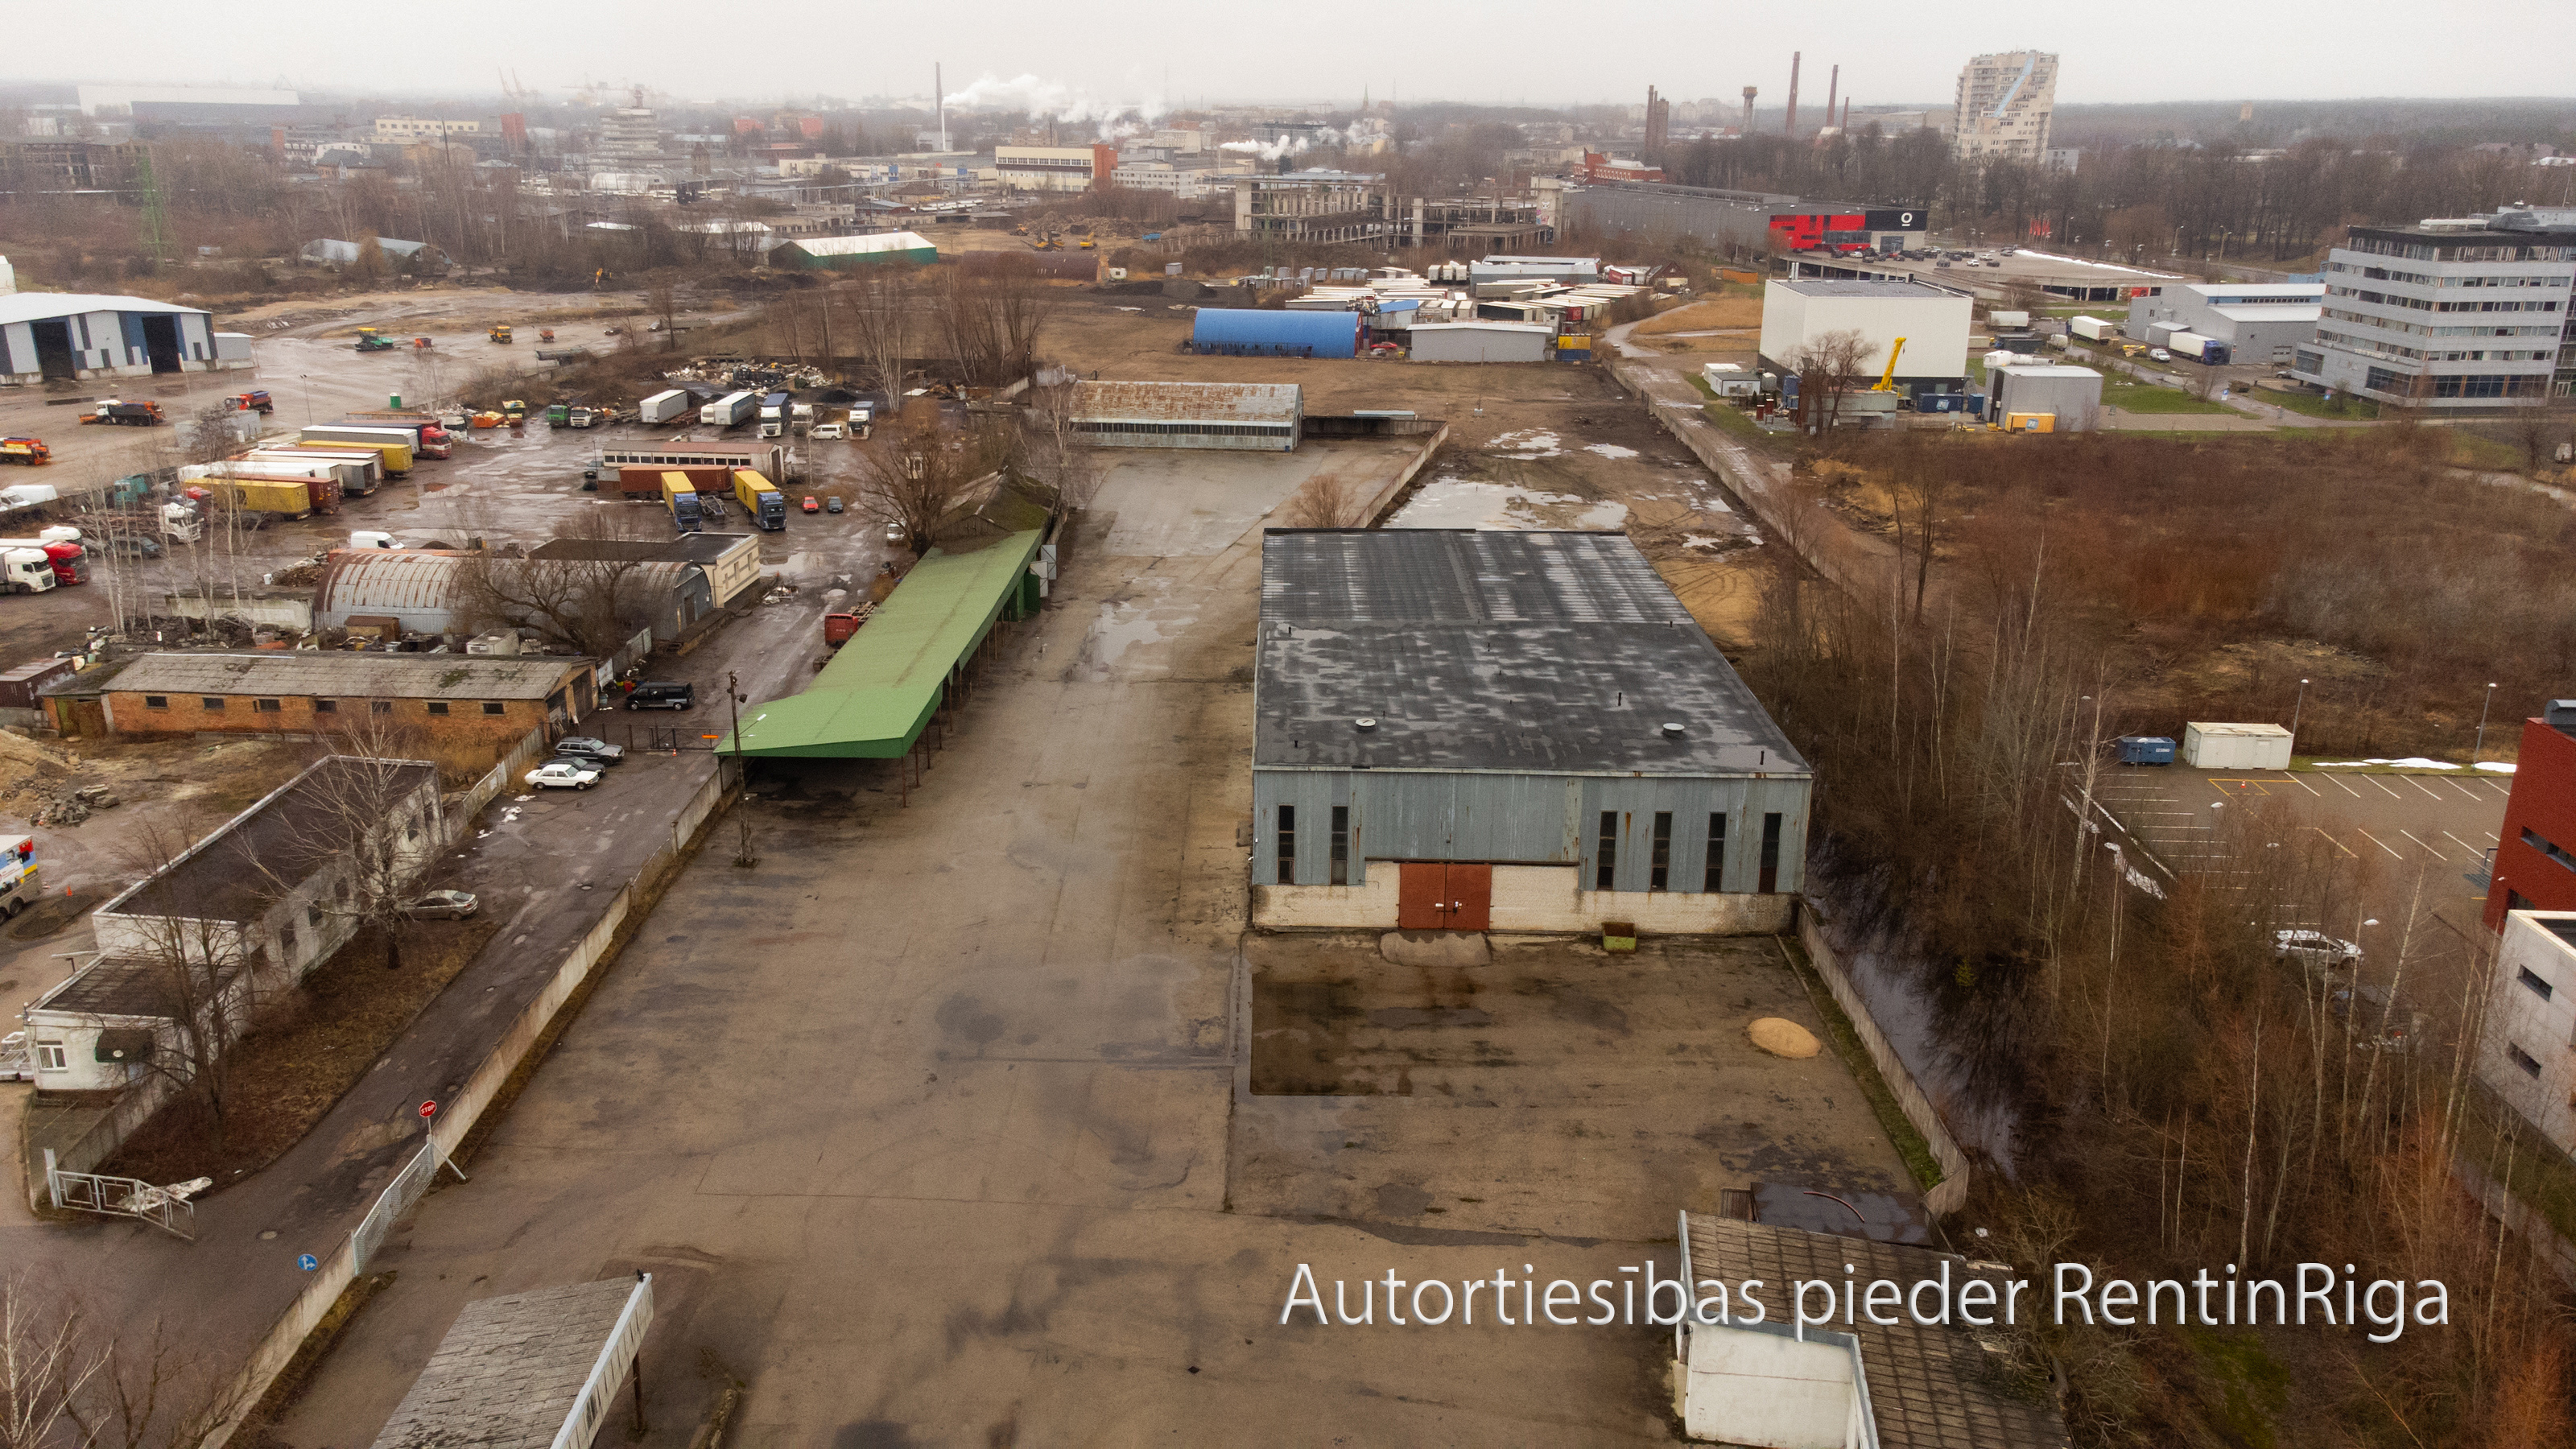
x=761, y=501
x=397, y=456
x=289, y=497
x=681, y=498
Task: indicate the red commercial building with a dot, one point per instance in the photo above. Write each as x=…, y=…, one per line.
x=2535, y=858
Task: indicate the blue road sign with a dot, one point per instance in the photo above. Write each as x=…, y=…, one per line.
x=308, y=1262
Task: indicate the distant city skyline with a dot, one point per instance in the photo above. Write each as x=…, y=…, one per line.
x=1160, y=55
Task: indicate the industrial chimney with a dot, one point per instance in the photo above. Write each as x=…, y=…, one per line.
x=1794, y=57
x=1833, y=89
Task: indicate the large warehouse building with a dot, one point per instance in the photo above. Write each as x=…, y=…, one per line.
x=1750, y=221
x=1260, y=332
x=2259, y=321
x=1932, y=321
x=849, y=253
x=74, y=335
x=1463, y=730
x=1264, y=417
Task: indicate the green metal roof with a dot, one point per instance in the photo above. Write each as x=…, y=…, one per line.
x=872, y=700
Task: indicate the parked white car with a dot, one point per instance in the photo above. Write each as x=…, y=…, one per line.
x=826, y=432
x=2315, y=948
x=562, y=775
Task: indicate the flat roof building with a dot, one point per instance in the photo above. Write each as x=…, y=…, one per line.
x=2452, y=313
x=1461, y=730
x=1262, y=417
x=2069, y=397
x=1933, y=321
x=2259, y=321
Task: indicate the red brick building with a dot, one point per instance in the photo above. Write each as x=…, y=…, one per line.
x=2535, y=859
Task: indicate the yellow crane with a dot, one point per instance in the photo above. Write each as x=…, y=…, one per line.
x=1887, y=379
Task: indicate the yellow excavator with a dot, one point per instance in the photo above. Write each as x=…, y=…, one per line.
x=1887, y=379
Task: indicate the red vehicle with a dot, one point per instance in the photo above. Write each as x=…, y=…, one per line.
x=837, y=628
x=71, y=565
x=255, y=401
x=29, y=451
x=811, y=505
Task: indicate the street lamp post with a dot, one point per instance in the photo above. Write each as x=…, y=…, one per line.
x=2294, y=713
x=2478, y=751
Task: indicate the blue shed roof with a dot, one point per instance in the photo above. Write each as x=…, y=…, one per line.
x=1330, y=334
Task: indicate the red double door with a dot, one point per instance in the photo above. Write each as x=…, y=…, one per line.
x=1434, y=895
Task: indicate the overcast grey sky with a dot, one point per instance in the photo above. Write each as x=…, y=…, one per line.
x=1320, y=50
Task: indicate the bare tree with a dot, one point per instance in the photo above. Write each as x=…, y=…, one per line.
x=1829, y=368
x=990, y=318
x=357, y=818
x=919, y=472
x=45, y=1368
x=591, y=604
x=2537, y=430
x=1328, y=500
x=1054, y=453
x=884, y=306
x=197, y=968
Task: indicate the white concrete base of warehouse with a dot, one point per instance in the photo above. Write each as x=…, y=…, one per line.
x=1531, y=898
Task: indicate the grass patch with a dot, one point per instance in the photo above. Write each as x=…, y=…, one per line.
x=2315, y=405
x=314, y=1045
x=2469, y=450
x=2253, y=1386
x=1909, y=1143
x=2138, y=397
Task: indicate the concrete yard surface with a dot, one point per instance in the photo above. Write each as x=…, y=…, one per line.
x=1558, y=1090
x=929, y=1125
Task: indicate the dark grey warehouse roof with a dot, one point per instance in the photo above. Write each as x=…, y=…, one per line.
x=1546, y=653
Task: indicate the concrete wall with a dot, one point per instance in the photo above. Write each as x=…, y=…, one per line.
x=1535, y=898
x=1951, y=1193
x=1531, y=819
x=464, y=1109
x=2541, y=1027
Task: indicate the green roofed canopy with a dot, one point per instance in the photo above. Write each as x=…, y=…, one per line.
x=872, y=700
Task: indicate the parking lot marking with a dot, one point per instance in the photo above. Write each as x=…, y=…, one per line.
x=2393, y=795
x=2429, y=849
x=2347, y=789
x=2330, y=840
x=2382, y=844
x=2420, y=785
x=2302, y=784
x=2478, y=851
x=2243, y=787
x=2463, y=788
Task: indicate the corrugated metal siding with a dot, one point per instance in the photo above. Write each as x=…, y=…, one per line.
x=1529, y=819
x=1190, y=402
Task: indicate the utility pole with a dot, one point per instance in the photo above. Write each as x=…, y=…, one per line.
x=2478, y=752
x=742, y=855
x=2294, y=714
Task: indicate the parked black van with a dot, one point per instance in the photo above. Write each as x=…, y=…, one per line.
x=663, y=695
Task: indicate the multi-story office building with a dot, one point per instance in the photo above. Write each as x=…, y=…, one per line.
x=2005, y=105
x=631, y=133
x=2450, y=313
x=2528, y=1051
x=422, y=128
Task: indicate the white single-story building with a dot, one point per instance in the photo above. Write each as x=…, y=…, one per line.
x=75, y=335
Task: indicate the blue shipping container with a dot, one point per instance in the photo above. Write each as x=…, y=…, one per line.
x=1247, y=332
x=2146, y=750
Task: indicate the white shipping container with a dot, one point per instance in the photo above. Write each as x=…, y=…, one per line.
x=662, y=407
x=2092, y=329
x=2212, y=746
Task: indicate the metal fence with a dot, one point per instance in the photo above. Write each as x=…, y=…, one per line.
x=399, y=1197
x=625, y=1343
x=128, y=1197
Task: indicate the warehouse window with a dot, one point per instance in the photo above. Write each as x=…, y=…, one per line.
x=380, y=706
x=1287, y=845
x=1716, y=851
x=493, y=706
x=2548, y=848
x=2530, y=1064
x=51, y=1056
x=1341, y=845
x=438, y=706
x=2532, y=982
x=1608, y=868
x=1770, y=877
x=156, y=701
x=211, y=703
x=326, y=706
x=267, y=706
x=1659, y=866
